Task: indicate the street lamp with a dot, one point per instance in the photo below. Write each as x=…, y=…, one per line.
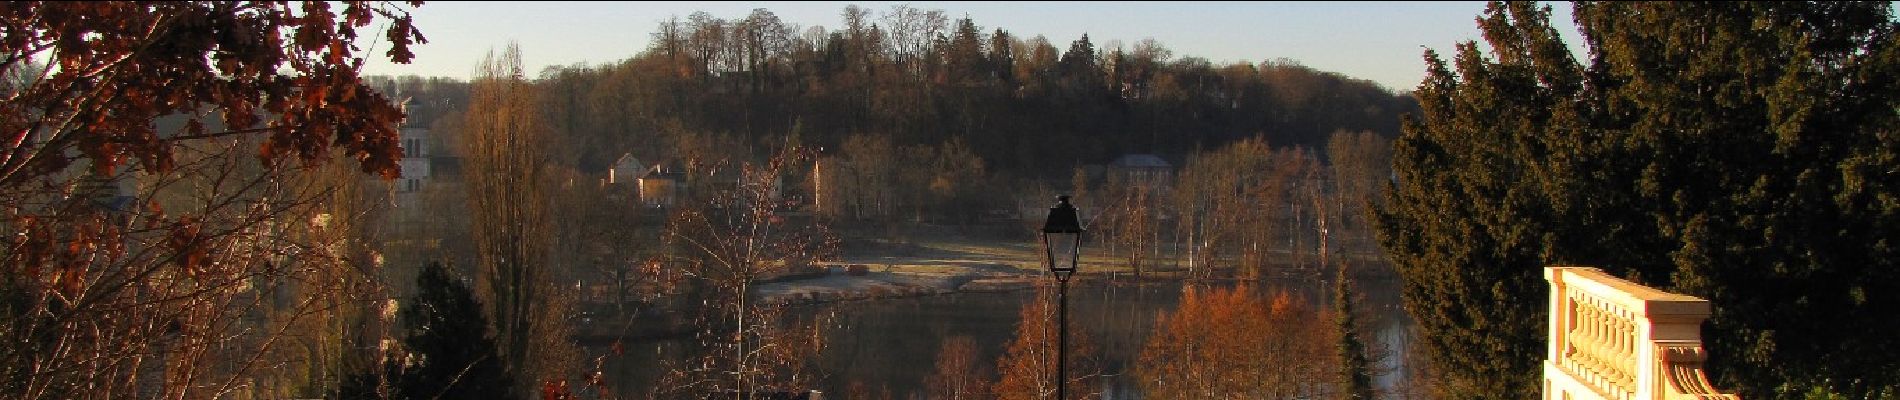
x=1062, y=246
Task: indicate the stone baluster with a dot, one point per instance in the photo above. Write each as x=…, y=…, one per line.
x=1613, y=339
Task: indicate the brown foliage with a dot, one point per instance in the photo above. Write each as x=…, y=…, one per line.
x=1028, y=366
x=188, y=291
x=1228, y=343
x=195, y=273
x=958, y=374
x=112, y=67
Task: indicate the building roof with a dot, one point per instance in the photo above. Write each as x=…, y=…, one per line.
x=627, y=159
x=665, y=170
x=1140, y=161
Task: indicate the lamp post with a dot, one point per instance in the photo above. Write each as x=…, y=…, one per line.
x=1062, y=247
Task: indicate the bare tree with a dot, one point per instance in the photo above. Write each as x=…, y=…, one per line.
x=760, y=38
x=736, y=237
x=148, y=259
x=1132, y=224
x=958, y=375
x=1300, y=173
x=869, y=168
x=508, y=181
x=1220, y=195
x=188, y=292
x=1360, y=164
x=1028, y=364
x=706, y=42
x=911, y=33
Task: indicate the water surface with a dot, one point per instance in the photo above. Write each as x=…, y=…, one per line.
x=893, y=343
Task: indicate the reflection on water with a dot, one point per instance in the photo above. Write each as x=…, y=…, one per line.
x=892, y=343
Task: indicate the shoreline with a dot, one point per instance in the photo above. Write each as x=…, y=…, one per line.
x=847, y=283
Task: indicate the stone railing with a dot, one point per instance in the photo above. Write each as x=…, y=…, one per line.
x=1614, y=339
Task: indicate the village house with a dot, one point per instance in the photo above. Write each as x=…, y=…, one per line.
x=661, y=185
x=1142, y=170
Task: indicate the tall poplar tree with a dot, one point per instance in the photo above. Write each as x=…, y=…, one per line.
x=507, y=160
x=1739, y=152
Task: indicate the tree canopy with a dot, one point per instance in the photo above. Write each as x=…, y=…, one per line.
x=1739, y=152
x=152, y=259
x=458, y=356
x=89, y=77
x=1025, y=106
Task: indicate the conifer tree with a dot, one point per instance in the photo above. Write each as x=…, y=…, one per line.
x=1739, y=152
x=451, y=352
x=1355, y=370
x=449, y=336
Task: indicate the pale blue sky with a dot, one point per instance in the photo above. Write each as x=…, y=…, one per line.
x=1376, y=41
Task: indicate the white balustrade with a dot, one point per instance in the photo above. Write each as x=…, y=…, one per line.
x=1614, y=339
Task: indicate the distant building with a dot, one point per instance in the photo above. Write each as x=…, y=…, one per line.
x=445, y=168
x=661, y=185
x=423, y=161
x=622, y=181
x=1142, y=170
x=415, y=159
x=626, y=170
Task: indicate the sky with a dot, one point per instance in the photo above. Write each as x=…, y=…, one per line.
x=1377, y=41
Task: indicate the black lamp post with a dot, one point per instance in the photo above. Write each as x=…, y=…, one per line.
x=1062, y=245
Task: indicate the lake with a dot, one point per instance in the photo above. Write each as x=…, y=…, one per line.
x=892, y=343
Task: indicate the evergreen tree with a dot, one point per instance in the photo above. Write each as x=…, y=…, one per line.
x=1080, y=72
x=1002, y=60
x=1355, y=370
x=1080, y=59
x=964, y=54
x=1463, y=231
x=453, y=355
x=1739, y=152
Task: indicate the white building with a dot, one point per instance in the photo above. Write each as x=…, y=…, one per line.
x=415, y=159
x=626, y=170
